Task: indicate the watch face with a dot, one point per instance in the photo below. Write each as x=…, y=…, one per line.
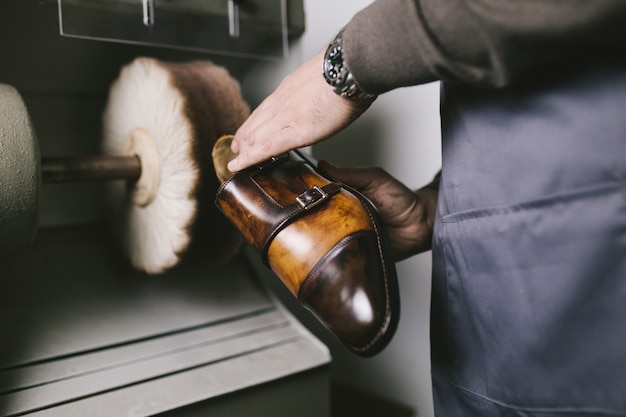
x=334, y=69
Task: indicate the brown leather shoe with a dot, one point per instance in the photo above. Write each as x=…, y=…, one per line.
x=324, y=240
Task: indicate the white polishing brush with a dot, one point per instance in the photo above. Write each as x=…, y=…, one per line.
x=170, y=115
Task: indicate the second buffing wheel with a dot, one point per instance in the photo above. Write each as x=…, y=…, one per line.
x=170, y=115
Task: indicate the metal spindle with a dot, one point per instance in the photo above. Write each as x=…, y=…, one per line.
x=90, y=168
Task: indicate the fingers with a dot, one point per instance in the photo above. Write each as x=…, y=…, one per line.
x=360, y=178
x=266, y=134
x=406, y=216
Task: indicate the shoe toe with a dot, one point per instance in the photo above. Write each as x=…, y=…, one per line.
x=345, y=291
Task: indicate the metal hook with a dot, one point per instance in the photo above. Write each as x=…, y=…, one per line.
x=148, y=13
x=233, y=18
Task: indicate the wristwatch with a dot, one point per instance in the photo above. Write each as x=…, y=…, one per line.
x=338, y=75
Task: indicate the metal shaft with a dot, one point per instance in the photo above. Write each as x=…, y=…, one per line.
x=90, y=168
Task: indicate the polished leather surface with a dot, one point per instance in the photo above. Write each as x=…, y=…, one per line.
x=324, y=241
x=345, y=290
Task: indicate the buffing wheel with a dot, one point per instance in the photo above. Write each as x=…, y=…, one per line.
x=20, y=178
x=174, y=112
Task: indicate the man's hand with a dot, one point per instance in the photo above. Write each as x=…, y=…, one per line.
x=303, y=110
x=408, y=215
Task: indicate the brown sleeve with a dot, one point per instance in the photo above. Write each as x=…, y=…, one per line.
x=487, y=43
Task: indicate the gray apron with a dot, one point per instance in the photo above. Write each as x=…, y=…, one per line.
x=529, y=251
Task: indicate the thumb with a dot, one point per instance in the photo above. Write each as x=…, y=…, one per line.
x=359, y=178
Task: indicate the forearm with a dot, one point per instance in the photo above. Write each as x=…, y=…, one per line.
x=396, y=43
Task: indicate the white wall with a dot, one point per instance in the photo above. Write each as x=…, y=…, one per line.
x=400, y=133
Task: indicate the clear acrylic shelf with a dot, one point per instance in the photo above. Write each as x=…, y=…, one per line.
x=253, y=28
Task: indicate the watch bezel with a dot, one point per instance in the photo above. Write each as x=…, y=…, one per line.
x=338, y=75
x=335, y=70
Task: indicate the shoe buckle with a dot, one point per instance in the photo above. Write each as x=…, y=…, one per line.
x=274, y=160
x=312, y=197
